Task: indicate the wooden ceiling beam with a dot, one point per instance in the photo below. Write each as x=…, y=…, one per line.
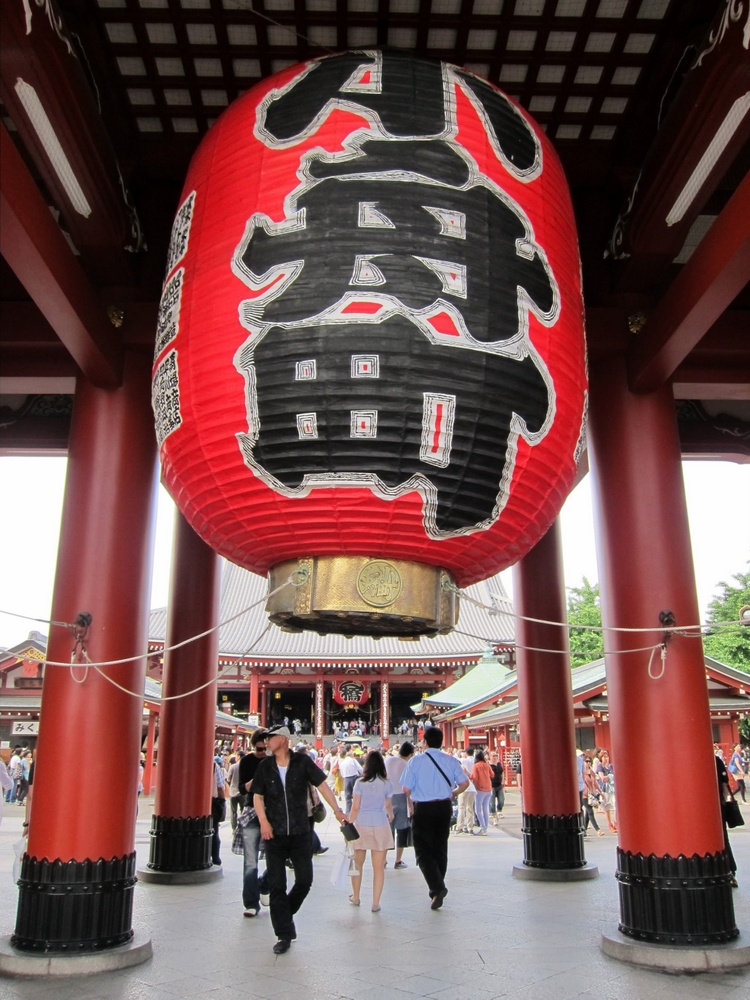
x=705, y=287
x=703, y=133
x=59, y=124
x=719, y=367
x=38, y=253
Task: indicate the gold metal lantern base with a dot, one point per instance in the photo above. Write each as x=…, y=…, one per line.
x=357, y=595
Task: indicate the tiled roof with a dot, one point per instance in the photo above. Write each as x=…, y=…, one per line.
x=508, y=684
x=247, y=631
x=152, y=690
x=486, y=678
x=591, y=676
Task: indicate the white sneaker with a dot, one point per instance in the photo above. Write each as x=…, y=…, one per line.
x=265, y=899
x=252, y=911
x=483, y=832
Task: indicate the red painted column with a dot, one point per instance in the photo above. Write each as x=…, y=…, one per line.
x=385, y=711
x=264, y=704
x=553, y=834
x=645, y=571
x=254, y=707
x=103, y=568
x=320, y=714
x=182, y=826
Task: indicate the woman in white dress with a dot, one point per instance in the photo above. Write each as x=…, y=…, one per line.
x=372, y=814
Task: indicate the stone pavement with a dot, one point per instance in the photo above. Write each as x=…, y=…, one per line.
x=496, y=936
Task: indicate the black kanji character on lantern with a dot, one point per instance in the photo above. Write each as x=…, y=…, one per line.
x=408, y=220
x=402, y=96
x=388, y=325
x=352, y=691
x=435, y=419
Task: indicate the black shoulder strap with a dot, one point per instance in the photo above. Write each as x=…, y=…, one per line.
x=440, y=769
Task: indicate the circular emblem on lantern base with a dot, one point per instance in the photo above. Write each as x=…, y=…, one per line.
x=379, y=583
x=356, y=595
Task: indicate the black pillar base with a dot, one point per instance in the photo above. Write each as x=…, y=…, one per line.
x=74, y=906
x=180, y=844
x=553, y=841
x=683, y=901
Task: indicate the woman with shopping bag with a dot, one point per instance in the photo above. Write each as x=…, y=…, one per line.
x=372, y=814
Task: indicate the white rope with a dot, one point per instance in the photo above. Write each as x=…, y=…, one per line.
x=672, y=630
x=165, y=649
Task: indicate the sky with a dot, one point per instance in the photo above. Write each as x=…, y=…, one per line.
x=31, y=492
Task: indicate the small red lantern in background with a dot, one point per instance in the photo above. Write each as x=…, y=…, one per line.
x=370, y=365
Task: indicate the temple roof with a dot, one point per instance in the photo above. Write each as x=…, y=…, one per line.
x=482, y=681
x=727, y=692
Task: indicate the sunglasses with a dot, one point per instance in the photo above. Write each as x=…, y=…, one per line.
x=260, y=749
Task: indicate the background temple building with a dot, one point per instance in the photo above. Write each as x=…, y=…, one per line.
x=270, y=674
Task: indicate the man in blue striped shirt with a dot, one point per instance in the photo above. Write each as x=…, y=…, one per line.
x=431, y=782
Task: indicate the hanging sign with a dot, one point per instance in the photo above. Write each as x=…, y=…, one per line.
x=351, y=692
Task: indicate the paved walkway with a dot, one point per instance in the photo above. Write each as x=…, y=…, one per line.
x=496, y=936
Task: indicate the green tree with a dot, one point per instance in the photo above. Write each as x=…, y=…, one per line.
x=729, y=644
x=584, y=609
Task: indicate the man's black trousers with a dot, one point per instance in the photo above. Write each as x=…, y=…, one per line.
x=298, y=848
x=431, y=826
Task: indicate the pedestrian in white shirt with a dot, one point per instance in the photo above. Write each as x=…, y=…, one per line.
x=349, y=769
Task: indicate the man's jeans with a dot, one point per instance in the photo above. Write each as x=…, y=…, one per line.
x=497, y=799
x=250, y=882
x=236, y=804
x=298, y=848
x=349, y=784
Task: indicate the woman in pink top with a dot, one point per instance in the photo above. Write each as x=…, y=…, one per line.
x=481, y=775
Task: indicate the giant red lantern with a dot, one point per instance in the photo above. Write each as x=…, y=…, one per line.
x=370, y=366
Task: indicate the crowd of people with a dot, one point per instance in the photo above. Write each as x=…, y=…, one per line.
x=596, y=788
x=19, y=770
x=737, y=767
x=341, y=728
x=407, y=796
x=394, y=799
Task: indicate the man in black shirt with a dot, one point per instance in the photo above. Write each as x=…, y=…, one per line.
x=251, y=884
x=280, y=795
x=497, y=797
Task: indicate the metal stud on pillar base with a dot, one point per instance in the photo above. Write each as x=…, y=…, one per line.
x=554, y=850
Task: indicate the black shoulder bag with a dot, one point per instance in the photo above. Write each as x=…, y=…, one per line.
x=450, y=783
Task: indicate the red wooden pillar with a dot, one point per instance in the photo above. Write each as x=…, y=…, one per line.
x=320, y=712
x=672, y=869
x=78, y=875
x=264, y=704
x=552, y=827
x=385, y=711
x=181, y=827
x=254, y=708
